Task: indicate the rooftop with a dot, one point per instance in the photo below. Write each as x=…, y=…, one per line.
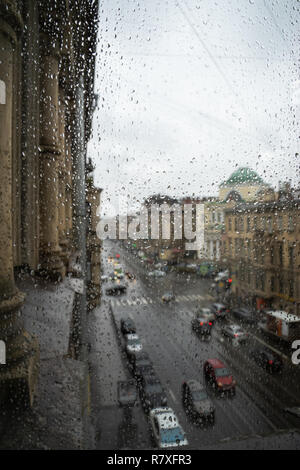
x=243, y=175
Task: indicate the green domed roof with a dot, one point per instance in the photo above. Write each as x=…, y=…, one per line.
x=242, y=176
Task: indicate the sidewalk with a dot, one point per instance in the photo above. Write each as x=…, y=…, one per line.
x=113, y=430
x=56, y=420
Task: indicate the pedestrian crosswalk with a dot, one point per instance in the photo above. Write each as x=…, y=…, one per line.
x=134, y=301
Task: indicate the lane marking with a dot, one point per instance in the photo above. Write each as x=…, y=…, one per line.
x=270, y=347
x=144, y=301
x=172, y=396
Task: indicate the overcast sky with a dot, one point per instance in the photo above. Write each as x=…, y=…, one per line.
x=189, y=90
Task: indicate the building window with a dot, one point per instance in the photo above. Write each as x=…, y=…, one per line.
x=236, y=246
x=229, y=224
x=255, y=225
x=281, y=254
x=230, y=246
x=272, y=254
x=241, y=224
x=280, y=285
x=280, y=223
x=262, y=282
x=291, y=288
x=291, y=255
x=249, y=248
x=272, y=284
x=291, y=223
x=242, y=248
x=262, y=255
x=236, y=224
x=248, y=224
x=263, y=223
x=270, y=224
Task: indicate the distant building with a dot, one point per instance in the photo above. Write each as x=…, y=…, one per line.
x=244, y=185
x=262, y=249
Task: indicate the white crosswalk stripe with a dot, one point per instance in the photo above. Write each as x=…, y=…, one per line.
x=147, y=300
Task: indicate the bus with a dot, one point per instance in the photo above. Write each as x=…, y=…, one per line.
x=280, y=324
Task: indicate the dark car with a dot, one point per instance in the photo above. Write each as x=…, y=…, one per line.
x=127, y=394
x=220, y=310
x=267, y=359
x=152, y=393
x=196, y=401
x=127, y=326
x=142, y=367
x=130, y=276
x=139, y=356
x=202, y=326
x=168, y=297
x=246, y=315
x=218, y=376
x=115, y=289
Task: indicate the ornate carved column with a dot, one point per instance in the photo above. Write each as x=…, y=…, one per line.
x=62, y=179
x=69, y=199
x=51, y=264
x=19, y=373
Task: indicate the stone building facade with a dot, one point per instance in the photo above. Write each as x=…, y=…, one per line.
x=263, y=252
x=243, y=185
x=45, y=47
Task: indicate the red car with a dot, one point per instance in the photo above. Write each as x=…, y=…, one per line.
x=217, y=374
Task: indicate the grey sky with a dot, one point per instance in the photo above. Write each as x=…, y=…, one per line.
x=189, y=90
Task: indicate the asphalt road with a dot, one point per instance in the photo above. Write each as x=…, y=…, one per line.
x=178, y=354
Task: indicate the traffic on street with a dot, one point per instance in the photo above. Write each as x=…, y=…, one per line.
x=198, y=370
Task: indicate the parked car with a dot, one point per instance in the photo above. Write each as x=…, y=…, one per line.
x=132, y=344
x=115, y=289
x=168, y=297
x=141, y=368
x=244, y=314
x=267, y=359
x=196, y=401
x=104, y=277
x=136, y=358
x=218, y=376
x=152, y=393
x=165, y=428
x=127, y=326
x=235, y=332
x=206, y=313
x=220, y=310
x=156, y=273
x=127, y=394
x=191, y=268
x=130, y=276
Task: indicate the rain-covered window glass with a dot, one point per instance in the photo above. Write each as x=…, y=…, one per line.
x=149, y=235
